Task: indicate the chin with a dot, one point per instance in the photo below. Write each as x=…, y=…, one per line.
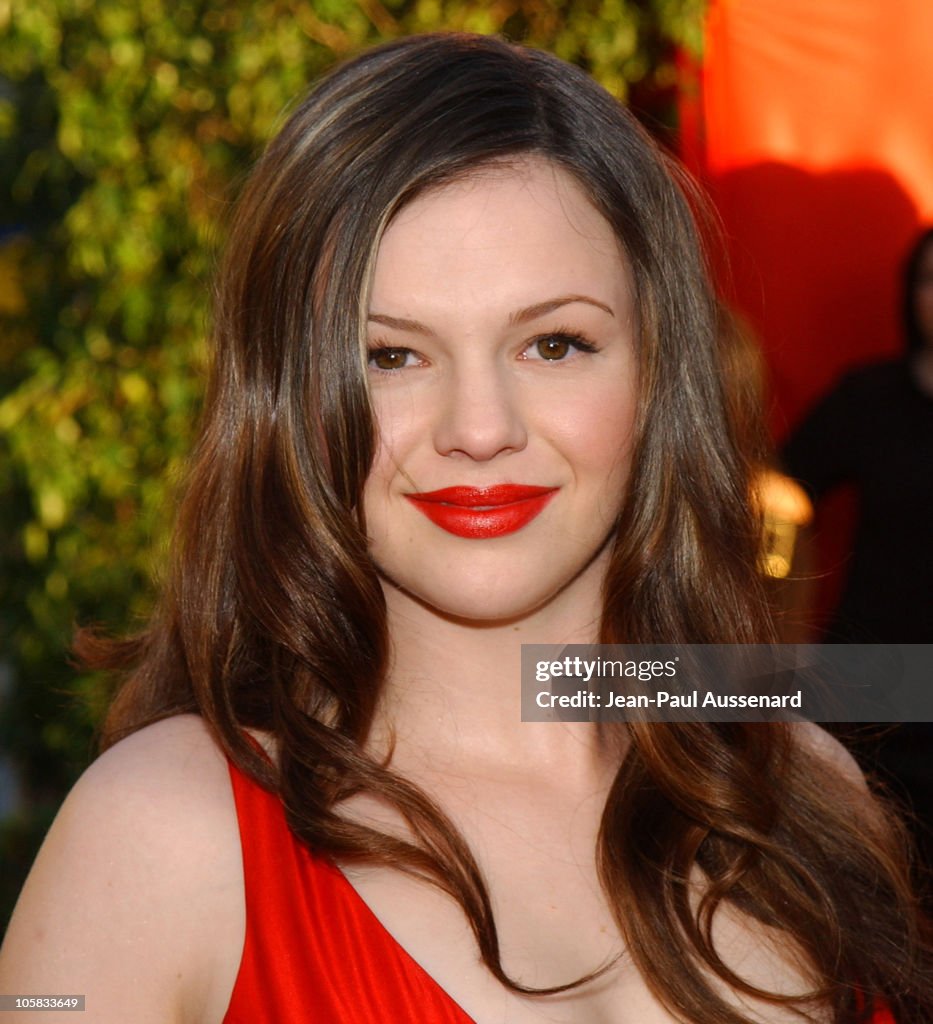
x=483, y=605
x=486, y=600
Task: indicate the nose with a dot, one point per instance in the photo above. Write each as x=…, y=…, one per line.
x=480, y=416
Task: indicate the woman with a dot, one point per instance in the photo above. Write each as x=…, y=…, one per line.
x=465, y=396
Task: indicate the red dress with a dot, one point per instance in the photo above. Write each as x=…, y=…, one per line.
x=314, y=952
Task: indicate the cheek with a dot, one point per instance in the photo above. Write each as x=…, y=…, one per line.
x=598, y=428
x=397, y=429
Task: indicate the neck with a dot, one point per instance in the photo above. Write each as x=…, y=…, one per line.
x=454, y=686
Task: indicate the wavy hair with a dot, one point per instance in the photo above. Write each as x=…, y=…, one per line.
x=273, y=616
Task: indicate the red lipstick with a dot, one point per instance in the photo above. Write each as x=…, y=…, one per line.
x=481, y=512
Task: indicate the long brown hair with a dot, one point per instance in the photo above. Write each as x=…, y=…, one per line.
x=273, y=616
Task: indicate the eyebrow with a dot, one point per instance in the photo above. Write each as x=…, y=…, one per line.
x=522, y=316
x=399, y=323
x=548, y=306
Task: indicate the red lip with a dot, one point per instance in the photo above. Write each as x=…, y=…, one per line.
x=481, y=512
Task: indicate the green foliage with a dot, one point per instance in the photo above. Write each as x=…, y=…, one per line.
x=124, y=130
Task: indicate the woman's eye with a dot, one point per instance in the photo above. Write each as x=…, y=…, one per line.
x=555, y=347
x=391, y=358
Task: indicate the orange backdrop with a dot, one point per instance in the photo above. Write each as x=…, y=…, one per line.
x=815, y=137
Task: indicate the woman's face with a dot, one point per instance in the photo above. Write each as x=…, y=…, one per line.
x=503, y=377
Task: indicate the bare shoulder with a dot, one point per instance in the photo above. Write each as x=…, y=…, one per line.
x=136, y=898
x=160, y=763
x=839, y=771
x=827, y=752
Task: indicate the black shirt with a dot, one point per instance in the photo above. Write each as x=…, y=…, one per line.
x=875, y=430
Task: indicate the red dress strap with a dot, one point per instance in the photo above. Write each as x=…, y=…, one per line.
x=314, y=952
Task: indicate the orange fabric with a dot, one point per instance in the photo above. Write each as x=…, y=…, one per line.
x=314, y=952
x=817, y=144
